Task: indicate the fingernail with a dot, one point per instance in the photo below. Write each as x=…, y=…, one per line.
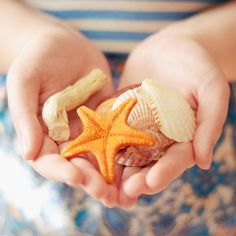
x=108, y=204
x=209, y=160
x=205, y=166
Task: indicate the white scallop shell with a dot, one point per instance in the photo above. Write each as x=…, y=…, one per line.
x=141, y=117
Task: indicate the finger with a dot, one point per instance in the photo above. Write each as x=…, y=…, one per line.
x=119, y=170
x=124, y=200
x=53, y=166
x=76, y=127
x=136, y=184
x=178, y=158
x=98, y=97
x=93, y=182
x=111, y=199
x=90, y=158
x=213, y=99
x=23, y=95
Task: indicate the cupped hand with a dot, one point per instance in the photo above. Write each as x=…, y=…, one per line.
x=50, y=60
x=185, y=65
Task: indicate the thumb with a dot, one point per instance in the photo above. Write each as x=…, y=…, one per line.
x=23, y=100
x=213, y=99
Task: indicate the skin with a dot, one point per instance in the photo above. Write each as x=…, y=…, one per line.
x=188, y=56
x=37, y=68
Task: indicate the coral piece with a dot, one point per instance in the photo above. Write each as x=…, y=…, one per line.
x=55, y=108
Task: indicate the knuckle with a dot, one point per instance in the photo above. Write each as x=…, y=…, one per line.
x=16, y=118
x=204, y=166
x=74, y=179
x=99, y=194
x=160, y=186
x=156, y=186
x=16, y=71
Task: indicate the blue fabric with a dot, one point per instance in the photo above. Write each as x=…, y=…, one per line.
x=199, y=203
x=115, y=35
x=127, y=15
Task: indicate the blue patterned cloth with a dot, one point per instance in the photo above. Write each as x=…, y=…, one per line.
x=199, y=203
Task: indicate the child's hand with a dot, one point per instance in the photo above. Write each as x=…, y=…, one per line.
x=185, y=65
x=50, y=60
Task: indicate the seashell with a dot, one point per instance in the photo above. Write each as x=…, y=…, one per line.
x=170, y=111
x=132, y=156
x=161, y=112
x=176, y=118
x=106, y=105
x=141, y=156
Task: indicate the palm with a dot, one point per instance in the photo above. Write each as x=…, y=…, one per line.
x=57, y=61
x=187, y=68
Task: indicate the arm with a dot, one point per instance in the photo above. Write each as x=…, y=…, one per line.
x=18, y=22
x=194, y=56
x=42, y=55
x=215, y=31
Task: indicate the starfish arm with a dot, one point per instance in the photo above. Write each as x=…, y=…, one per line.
x=116, y=142
x=91, y=119
x=70, y=153
x=74, y=149
x=110, y=167
x=84, y=143
x=112, y=149
x=99, y=152
x=131, y=136
x=121, y=113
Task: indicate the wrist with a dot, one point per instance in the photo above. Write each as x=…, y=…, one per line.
x=179, y=40
x=183, y=36
x=172, y=54
x=24, y=24
x=177, y=36
x=220, y=48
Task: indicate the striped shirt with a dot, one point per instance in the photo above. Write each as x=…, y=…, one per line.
x=119, y=25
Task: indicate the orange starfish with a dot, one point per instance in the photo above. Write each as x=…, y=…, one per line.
x=104, y=135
